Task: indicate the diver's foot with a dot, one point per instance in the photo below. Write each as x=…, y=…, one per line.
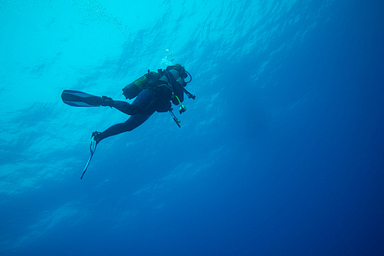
x=95, y=139
x=106, y=101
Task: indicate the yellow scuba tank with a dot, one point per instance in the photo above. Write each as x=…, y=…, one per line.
x=133, y=89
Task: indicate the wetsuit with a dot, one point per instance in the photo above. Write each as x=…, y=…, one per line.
x=146, y=103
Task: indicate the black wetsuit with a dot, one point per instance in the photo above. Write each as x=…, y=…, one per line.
x=146, y=103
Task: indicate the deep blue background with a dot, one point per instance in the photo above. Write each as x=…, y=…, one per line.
x=288, y=160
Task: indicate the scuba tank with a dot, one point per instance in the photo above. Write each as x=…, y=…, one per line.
x=133, y=89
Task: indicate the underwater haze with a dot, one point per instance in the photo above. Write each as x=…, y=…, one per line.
x=281, y=153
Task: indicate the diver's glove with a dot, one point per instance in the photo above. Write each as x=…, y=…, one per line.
x=106, y=101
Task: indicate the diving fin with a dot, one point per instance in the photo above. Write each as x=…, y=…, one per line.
x=86, y=166
x=92, y=147
x=80, y=99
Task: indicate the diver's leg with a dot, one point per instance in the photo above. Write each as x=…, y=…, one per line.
x=142, y=101
x=132, y=123
x=126, y=108
x=145, y=105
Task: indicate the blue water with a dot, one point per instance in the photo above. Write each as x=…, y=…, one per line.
x=281, y=153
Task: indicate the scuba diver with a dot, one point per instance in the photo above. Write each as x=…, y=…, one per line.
x=154, y=92
x=166, y=86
